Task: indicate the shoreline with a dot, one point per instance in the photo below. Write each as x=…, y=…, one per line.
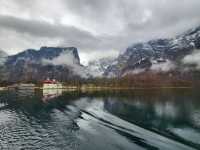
x=98, y=88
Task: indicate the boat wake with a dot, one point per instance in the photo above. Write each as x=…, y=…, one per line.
x=99, y=119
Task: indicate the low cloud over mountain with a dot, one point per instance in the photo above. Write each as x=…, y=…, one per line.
x=193, y=59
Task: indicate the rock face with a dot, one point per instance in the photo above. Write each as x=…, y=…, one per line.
x=143, y=55
x=60, y=63
x=48, y=53
x=63, y=63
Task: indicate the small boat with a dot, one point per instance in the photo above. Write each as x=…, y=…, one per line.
x=52, y=84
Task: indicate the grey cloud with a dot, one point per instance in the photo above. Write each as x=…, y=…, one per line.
x=89, y=8
x=94, y=25
x=70, y=36
x=164, y=13
x=41, y=28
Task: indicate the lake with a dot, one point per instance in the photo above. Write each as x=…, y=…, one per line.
x=118, y=120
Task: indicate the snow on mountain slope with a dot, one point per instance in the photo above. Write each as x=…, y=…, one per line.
x=140, y=55
x=61, y=63
x=98, y=67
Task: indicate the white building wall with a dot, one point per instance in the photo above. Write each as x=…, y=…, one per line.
x=52, y=86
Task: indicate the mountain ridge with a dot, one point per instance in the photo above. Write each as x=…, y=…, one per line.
x=141, y=55
x=29, y=64
x=63, y=63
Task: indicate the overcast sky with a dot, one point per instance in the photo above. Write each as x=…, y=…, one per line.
x=96, y=27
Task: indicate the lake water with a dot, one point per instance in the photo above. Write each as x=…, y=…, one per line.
x=131, y=120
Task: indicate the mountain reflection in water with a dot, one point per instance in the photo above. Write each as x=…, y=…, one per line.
x=165, y=120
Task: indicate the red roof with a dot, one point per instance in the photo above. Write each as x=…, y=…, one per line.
x=49, y=81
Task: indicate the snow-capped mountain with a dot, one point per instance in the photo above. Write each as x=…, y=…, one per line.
x=55, y=62
x=141, y=55
x=63, y=63
x=44, y=53
x=97, y=68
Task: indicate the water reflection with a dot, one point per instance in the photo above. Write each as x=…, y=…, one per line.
x=170, y=114
x=26, y=92
x=27, y=122
x=49, y=94
x=75, y=120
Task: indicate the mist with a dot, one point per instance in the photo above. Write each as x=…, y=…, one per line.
x=163, y=67
x=193, y=59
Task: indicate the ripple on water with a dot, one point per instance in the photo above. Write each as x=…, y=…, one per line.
x=117, y=133
x=19, y=131
x=196, y=118
x=89, y=123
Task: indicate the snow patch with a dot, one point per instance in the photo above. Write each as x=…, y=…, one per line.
x=98, y=67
